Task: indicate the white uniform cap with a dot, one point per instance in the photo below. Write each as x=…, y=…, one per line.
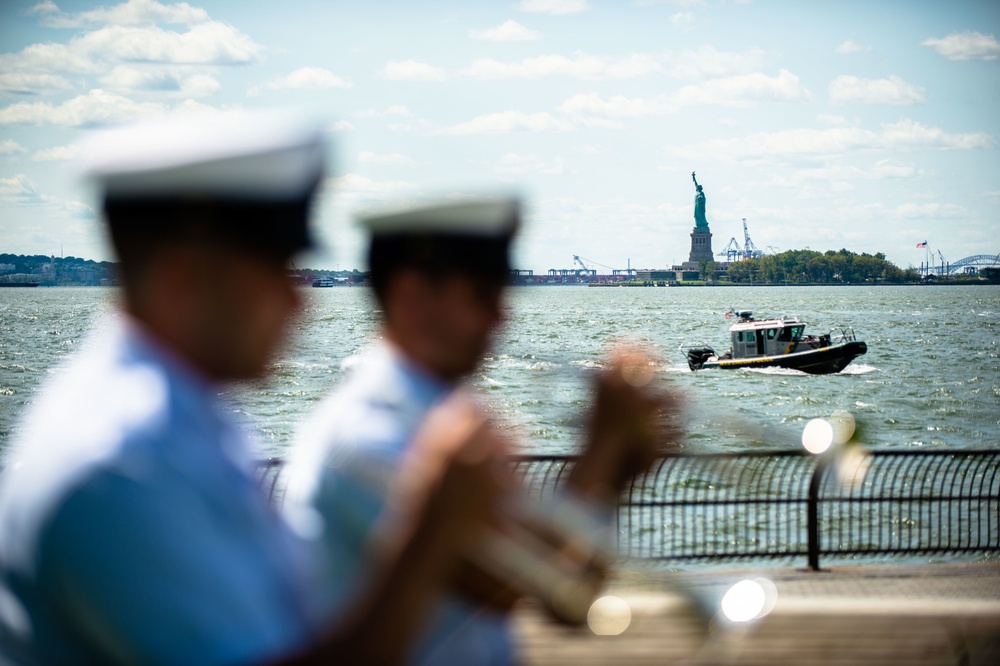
x=253, y=155
x=486, y=217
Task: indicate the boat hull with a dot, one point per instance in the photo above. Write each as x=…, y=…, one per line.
x=822, y=361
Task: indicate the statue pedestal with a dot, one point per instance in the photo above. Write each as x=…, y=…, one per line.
x=701, y=246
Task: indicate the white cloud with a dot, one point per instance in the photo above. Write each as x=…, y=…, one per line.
x=832, y=120
x=396, y=110
x=199, y=85
x=743, y=90
x=411, y=70
x=80, y=210
x=11, y=147
x=48, y=58
x=56, y=154
x=592, y=104
x=508, y=31
x=843, y=175
x=35, y=68
x=555, y=7
x=703, y=62
x=42, y=8
x=730, y=91
x=797, y=145
x=509, y=121
x=157, y=79
x=20, y=191
x=515, y=164
x=341, y=126
x=211, y=43
x=580, y=66
x=675, y=3
x=886, y=169
x=132, y=12
x=354, y=188
x=389, y=159
x=893, y=90
x=315, y=78
x=24, y=83
x=682, y=19
x=710, y=62
x=129, y=78
x=190, y=106
x=128, y=33
x=97, y=107
x=910, y=134
x=931, y=211
x=851, y=47
x=412, y=126
x=967, y=45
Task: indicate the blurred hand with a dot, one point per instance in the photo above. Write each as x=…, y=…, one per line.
x=447, y=492
x=455, y=475
x=457, y=463
x=633, y=422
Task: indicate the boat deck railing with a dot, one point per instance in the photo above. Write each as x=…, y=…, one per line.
x=791, y=505
x=842, y=334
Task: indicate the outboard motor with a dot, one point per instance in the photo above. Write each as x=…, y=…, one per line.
x=698, y=355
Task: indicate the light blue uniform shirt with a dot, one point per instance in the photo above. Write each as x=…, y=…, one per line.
x=336, y=487
x=131, y=530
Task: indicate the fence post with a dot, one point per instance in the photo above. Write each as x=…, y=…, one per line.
x=812, y=511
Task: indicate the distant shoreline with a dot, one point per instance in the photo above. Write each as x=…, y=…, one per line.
x=933, y=283
x=938, y=283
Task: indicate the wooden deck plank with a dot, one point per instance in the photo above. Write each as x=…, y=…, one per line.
x=868, y=615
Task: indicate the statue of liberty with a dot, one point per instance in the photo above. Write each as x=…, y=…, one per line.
x=700, y=221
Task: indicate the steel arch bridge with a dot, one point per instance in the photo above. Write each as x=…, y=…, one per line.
x=974, y=262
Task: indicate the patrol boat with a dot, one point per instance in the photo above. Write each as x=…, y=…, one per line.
x=779, y=343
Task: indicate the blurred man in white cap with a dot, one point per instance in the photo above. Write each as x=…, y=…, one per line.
x=438, y=273
x=131, y=528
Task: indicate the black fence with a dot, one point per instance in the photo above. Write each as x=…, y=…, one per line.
x=794, y=505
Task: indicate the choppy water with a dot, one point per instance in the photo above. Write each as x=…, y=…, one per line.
x=931, y=377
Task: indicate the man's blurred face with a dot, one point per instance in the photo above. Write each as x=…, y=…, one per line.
x=469, y=310
x=248, y=307
x=446, y=321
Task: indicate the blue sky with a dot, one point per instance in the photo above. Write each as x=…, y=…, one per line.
x=866, y=125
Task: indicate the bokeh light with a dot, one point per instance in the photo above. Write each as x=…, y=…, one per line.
x=770, y=595
x=852, y=466
x=817, y=436
x=749, y=599
x=743, y=601
x=842, y=422
x=609, y=616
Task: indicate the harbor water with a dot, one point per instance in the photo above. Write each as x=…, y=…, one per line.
x=931, y=377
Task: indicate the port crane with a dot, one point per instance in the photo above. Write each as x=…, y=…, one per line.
x=582, y=268
x=750, y=250
x=577, y=259
x=733, y=252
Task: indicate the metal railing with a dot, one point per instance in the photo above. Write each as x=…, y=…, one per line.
x=782, y=504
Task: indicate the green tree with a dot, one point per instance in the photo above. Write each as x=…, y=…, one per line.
x=707, y=269
x=802, y=266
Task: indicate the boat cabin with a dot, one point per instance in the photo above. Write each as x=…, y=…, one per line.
x=770, y=337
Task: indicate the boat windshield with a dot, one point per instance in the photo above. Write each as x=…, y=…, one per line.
x=789, y=333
